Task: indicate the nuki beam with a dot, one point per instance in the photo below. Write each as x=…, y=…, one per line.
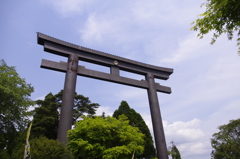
x=112, y=77
x=74, y=53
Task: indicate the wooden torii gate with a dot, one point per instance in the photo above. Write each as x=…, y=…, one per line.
x=74, y=53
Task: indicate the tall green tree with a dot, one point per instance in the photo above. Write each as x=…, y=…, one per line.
x=105, y=138
x=226, y=143
x=136, y=120
x=221, y=16
x=46, y=118
x=46, y=115
x=15, y=100
x=82, y=105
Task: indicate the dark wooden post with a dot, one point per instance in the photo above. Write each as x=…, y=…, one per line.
x=156, y=119
x=66, y=113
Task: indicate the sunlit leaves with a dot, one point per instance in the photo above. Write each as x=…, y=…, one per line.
x=221, y=17
x=105, y=138
x=136, y=120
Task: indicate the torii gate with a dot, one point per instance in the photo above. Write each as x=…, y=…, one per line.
x=74, y=53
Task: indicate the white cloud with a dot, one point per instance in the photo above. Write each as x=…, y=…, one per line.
x=96, y=28
x=187, y=49
x=181, y=132
x=190, y=139
x=104, y=109
x=68, y=7
x=222, y=115
x=159, y=13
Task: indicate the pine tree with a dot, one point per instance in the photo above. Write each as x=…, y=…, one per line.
x=82, y=106
x=46, y=118
x=136, y=120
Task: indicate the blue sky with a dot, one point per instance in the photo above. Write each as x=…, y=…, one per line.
x=205, y=83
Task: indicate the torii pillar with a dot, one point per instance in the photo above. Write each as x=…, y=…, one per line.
x=66, y=114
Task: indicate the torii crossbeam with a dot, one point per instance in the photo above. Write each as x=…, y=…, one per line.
x=74, y=53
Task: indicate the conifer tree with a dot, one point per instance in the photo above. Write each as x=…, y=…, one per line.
x=46, y=118
x=136, y=120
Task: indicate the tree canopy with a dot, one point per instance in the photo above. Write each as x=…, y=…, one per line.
x=42, y=148
x=46, y=116
x=136, y=120
x=226, y=143
x=14, y=103
x=82, y=105
x=105, y=138
x=221, y=16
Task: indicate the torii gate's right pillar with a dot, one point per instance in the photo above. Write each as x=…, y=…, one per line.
x=156, y=118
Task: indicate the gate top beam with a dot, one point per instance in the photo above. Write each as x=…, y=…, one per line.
x=63, y=48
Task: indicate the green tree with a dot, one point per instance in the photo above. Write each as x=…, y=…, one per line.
x=82, y=105
x=226, y=143
x=136, y=120
x=42, y=148
x=221, y=16
x=14, y=103
x=173, y=151
x=46, y=118
x=105, y=138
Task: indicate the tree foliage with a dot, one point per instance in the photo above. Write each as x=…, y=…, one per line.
x=82, y=105
x=173, y=151
x=40, y=148
x=46, y=118
x=221, y=16
x=226, y=143
x=44, y=148
x=14, y=103
x=105, y=138
x=136, y=120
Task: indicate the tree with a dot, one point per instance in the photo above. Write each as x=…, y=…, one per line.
x=43, y=148
x=173, y=151
x=82, y=105
x=221, y=16
x=46, y=118
x=105, y=138
x=226, y=143
x=14, y=103
x=136, y=120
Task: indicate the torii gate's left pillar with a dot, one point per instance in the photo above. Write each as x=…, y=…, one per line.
x=65, y=122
